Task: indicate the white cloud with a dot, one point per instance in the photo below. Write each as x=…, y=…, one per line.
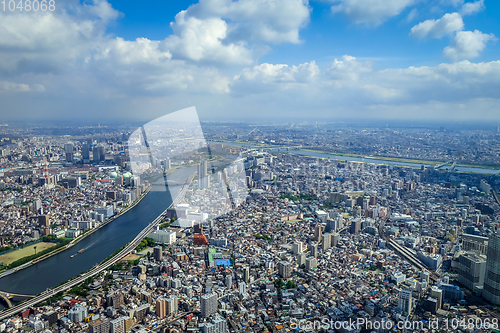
x=11, y=87
x=260, y=78
x=273, y=21
x=348, y=68
x=470, y=8
x=142, y=50
x=103, y=10
x=412, y=15
x=371, y=12
x=202, y=39
x=467, y=45
x=446, y=25
x=49, y=42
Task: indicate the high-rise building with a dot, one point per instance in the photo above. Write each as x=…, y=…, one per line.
x=203, y=178
x=100, y=325
x=474, y=243
x=246, y=274
x=161, y=307
x=437, y=294
x=405, y=301
x=77, y=313
x=301, y=259
x=314, y=250
x=96, y=155
x=43, y=221
x=297, y=247
x=68, y=150
x=86, y=151
x=471, y=270
x=117, y=325
x=491, y=290
x=311, y=263
x=37, y=205
x=218, y=325
x=102, y=153
x=228, y=281
x=331, y=225
x=285, y=269
x=172, y=304
x=208, y=304
x=355, y=226
x=335, y=239
x=318, y=229
x=242, y=287
x=157, y=252
x=326, y=241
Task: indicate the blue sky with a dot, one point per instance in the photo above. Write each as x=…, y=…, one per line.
x=253, y=59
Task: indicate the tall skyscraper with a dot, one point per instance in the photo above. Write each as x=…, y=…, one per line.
x=203, y=178
x=96, y=157
x=102, y=153
x=68, y=149
x=405, y=301
x=86, y=151
x=208, y=304
x=491, y=290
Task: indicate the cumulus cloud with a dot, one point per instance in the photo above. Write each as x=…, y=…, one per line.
x=470, y=8
x=467, y=45
x=48, y=42
x=371, y=12
x=446, y=25
x=274, y=21
x=348, y=68
x=260, y=78
x=202, y=39
x=103, y=10
x=348, y=81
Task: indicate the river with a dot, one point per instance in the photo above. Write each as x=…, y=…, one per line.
x=98, y=246
x=478, y=169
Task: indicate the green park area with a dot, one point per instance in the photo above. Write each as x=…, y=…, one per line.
x=29, y=250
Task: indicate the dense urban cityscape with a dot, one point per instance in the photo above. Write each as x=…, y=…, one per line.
x=267, y=238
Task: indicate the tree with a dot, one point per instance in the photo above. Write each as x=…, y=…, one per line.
x=290, y=284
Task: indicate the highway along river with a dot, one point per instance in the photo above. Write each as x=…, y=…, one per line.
x=98, y=246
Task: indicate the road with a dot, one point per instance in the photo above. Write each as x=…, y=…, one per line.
x=98, y=268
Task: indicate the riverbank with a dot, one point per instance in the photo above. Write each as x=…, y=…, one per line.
x=76, y=240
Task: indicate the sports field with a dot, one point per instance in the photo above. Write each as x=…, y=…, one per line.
x=10, y=257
